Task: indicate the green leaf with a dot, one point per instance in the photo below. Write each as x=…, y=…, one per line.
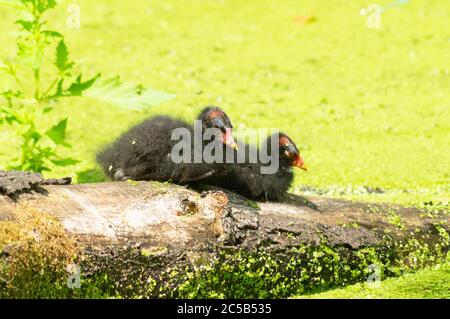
x=77, y=87
x=12, y=118
x=62, y=57
x=64, y=161
x=58, y=133
x=27, y=25
x=52, y=34
x=9, y=116
x=125, y=95
x=43, y=6
x=35, y=136
x=47, y=109
x=59, y=88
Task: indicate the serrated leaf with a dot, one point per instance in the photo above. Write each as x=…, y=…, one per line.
x=64, y=161
x=124, y=95
x=62, y=57
x=77, y=87
x=58, y=133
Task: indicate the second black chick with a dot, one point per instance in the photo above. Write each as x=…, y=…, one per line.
x=144, y=151
x=247, y=178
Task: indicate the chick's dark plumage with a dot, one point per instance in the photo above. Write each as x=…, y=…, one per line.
x=247, y=178
x=144, y=151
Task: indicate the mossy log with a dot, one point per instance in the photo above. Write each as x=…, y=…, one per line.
x=163, y=240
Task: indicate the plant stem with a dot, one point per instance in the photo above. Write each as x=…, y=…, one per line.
x=37, y=40
x=18, y=82
x=50, y=88
x=36, y=82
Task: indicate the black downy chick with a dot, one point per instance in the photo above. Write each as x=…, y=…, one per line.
x=247, y=178
x=144, y=151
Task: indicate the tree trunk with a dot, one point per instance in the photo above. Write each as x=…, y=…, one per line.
x=147, y=229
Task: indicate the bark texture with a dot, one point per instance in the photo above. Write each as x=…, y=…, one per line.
x=141, y=230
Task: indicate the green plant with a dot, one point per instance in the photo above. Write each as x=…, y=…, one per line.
x=395, y=219
x=30, y=97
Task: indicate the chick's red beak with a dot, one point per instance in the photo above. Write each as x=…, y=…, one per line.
x=228, y=139
x=298, y=162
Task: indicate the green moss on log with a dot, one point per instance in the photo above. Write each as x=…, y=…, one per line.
x=36, y=253
x=272, y=274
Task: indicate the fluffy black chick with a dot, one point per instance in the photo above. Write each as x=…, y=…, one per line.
x=144, y=151
x=248, y=179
